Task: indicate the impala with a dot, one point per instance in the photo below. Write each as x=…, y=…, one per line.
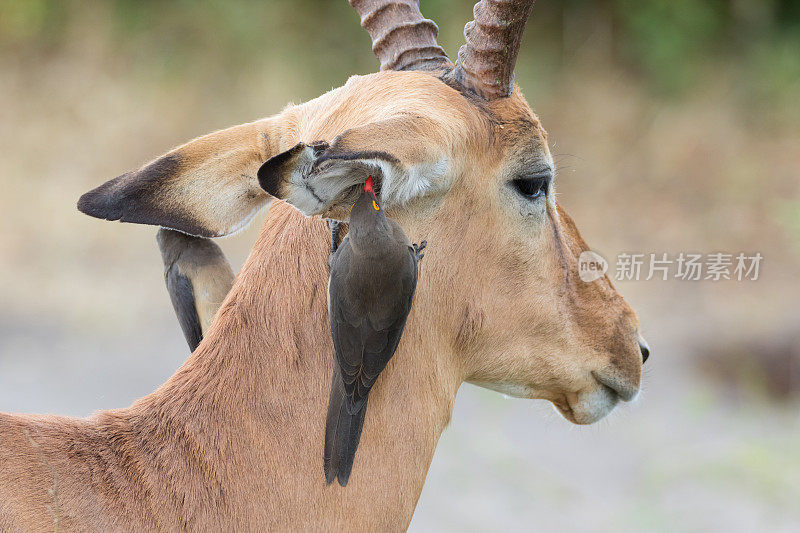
x=234, y=440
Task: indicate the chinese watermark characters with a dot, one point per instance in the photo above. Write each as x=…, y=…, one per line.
x=715, y=266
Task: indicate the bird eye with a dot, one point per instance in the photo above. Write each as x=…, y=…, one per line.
x=532, y=187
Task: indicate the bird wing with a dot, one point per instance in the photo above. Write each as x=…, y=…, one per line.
x=181, y=293
x=364, y=343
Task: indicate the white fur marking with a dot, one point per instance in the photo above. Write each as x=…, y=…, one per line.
x=313, y=191
x=400, y=187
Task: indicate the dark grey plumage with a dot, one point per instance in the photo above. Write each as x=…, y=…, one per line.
x=370, y=293
x=198, y=279
x=182, y=295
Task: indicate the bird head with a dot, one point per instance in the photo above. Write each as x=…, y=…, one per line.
x=369, y=189
x=367, y=212
x=367, y=206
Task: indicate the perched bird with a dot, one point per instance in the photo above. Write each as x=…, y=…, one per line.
x=198, y=278
x=370, y=292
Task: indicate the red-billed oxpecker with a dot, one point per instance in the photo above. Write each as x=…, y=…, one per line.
x=370, y=292
x=198, y=278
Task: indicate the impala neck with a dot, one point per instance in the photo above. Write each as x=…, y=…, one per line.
x=262, y=378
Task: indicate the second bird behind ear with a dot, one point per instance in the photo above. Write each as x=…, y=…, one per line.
x=198, y=278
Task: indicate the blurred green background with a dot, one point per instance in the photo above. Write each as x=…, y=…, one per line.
x=676, y=128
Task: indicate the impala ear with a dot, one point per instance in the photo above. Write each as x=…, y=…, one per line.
x=322, y=178
x=282, y=176
x=207, y=187
x=317, y=179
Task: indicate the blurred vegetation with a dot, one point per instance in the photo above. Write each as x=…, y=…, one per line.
x=666, y=42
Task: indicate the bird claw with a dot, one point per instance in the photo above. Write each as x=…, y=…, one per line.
x=418, y=248
x=335, y=226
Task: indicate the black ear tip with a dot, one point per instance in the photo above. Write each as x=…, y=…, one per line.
x=101, y=202
x=84, y=204
x=87, y=205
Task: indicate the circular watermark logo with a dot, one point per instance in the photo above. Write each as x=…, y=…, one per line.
x=591, y=266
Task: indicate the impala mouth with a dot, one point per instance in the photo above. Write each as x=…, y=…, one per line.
x=623, y=388
x=564, y=409
x=588, y=411
x=583, y=407
x=590, y=405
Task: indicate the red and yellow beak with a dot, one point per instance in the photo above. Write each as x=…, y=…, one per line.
x=369, y=188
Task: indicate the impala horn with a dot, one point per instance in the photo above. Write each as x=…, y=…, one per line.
x=485, y=64
x=402, y=38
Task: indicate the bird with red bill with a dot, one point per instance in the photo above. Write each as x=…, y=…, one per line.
x=373, y=275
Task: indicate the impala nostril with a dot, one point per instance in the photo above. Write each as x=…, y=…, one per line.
x=645, y=349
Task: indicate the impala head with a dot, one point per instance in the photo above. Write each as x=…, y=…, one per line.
x=458, y=158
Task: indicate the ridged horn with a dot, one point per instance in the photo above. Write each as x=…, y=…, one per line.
x=485, y=63
x=402, y=38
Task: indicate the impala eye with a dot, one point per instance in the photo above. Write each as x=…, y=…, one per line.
x=532, y=187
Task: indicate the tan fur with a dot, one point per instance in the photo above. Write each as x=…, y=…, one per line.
x=211, y=283
x=233, y=441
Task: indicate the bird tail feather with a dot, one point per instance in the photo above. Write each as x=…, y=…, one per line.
x=342, y=433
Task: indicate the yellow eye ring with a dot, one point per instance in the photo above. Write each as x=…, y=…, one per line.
x=375, y=206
